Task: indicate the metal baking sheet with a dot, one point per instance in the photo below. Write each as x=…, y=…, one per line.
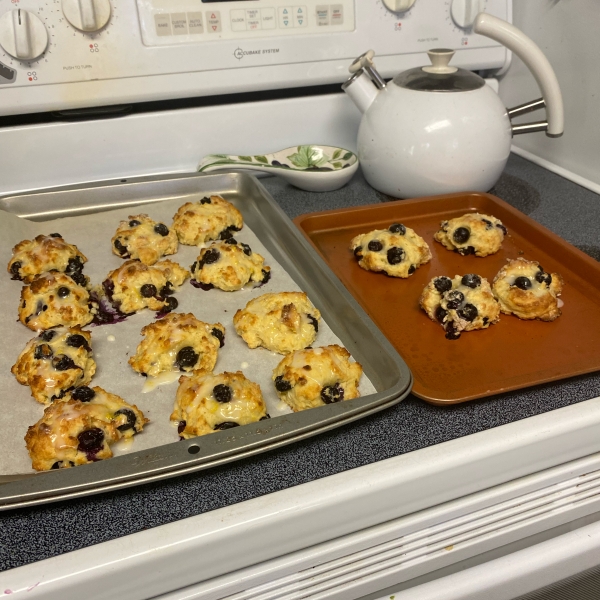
x=510, y=355
x=382, y=365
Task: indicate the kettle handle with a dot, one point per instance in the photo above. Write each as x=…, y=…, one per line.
x=535, y=60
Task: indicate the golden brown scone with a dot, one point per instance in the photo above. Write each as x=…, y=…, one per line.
x=317, y=376
x=472, y=233
x=54, y=299
x=281, y=322
x=47, y=253
x=144, y=239
x=461, y=304
x=179, y=342
x=206, y=403
x=80, y=428
x=210, y=219
x=397, y=251
x=524, y=289
x=229, y=266
x=55, y=362
x=135, y=286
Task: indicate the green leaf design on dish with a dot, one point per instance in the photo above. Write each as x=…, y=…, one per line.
x=347, y=156
x=336, y=154
x=262, y=159
x=337, y=165
x=247, y=158
x=308, y=156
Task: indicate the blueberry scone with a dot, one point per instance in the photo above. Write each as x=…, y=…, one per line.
x=47, y=253
x=317, y=376
x=472, y=233
x=206, y=402
x=397, y=251
x=135, y=286
x=229, y=266
x=179, y=342
x=54, y=299
x=80, y=428
x=281, y=322
x=143, y=239
x=55, y=362
x=461, y=304
x=524, y=289
x=210, y=219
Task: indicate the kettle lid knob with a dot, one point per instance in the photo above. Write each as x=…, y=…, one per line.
x=440, y=57
x=364, y=60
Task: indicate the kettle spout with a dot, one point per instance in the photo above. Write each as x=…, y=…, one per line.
x=361, y=89
x=365, y=82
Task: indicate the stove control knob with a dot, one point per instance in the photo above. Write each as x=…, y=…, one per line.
x=87, y=15
x=464, y=12
x=398, y=5
x=23, y=35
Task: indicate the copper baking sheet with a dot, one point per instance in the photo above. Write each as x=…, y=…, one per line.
x=510, y=355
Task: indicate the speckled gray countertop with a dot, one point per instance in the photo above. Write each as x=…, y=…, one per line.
x=34, y=534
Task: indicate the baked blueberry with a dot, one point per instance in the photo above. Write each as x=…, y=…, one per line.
x=313, y=322
x=90, y=440
x=222, y=393
x=43, y=351
x=55, y=235
x=454, y=299
x=134, y=223
x=332, y=393
x=395, y=255
x=47, y=335
x=181, y=426
x=172, y=304
x=461, y=235
x=226, y=425
x=412, y=269
x=542, y=277
x=471, y=280
x=186, y=357
x=451, y=331
x=488, y=224
x=62, y=362
x=398, y=228
x=247, y=249
x=83, y=393
x=266, y=276
x=167, y=289
x=523, y=283
x=119, y=247
x=161, y=229
x=468, y=312
x=211, y=256
x=130, y=417
x=77, y=341
x=282, y=385
x=205, y=200
x=230, y=240
x=14, y=269
x=375, y=246
x=63, y=292
x=219, y=335
x=500, y=226
x=442, y=284
x=148, y=290
x=358, y=252
x=440, y=314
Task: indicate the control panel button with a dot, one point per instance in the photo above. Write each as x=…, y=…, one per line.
x=23, y=35
x=285, y=17
x=337, y=14
x=267, y=17
x=253, y=19
x=87, y=15
x=179, y=23
x=162, y=22
x=195, y=22
x=213, y=21
x=322, y=12
x=299, y=16
x=238, y=20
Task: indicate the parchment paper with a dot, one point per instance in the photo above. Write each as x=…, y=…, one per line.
x=92, y=235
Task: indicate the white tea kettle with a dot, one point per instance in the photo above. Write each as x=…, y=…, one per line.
x=440, y=129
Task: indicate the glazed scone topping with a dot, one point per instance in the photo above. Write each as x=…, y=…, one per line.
x=179, y=342
x=46, y=253
x=229, y=266
x=80, y=428
x=472, y=233
x=144, y=239
x=209, y=219
x=55, y=362
x=524, y=289
x=135, y=286
x=397, y=251
x=317, y=376
x=281, y=322
x=54, y=299
x=207, y=402
x=461, y=304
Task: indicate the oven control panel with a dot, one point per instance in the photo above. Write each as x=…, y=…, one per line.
x=62, y=54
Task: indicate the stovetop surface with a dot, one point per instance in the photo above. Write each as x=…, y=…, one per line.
x=569, y=210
